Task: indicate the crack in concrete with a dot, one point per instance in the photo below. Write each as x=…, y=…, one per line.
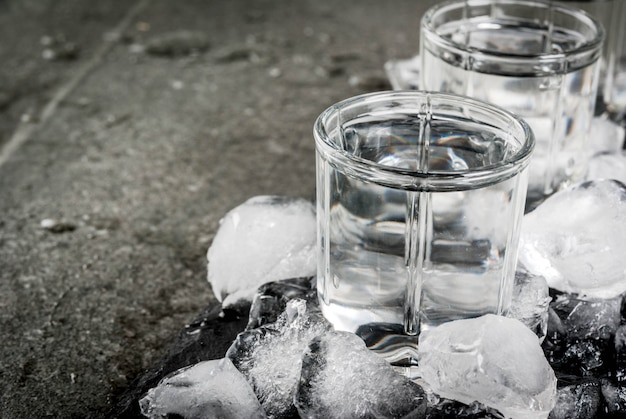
x=25, y=131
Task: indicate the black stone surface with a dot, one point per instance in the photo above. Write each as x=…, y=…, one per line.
x=207, y=337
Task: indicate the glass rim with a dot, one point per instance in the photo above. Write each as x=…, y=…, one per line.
x=589, y=46
x=440, y=180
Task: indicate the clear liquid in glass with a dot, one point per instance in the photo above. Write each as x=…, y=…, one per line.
x=395, y=260
x=557, y=100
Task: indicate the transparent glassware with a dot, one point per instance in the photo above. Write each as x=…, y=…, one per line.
x=612, y=15
x=420, y=198
x=536, y=59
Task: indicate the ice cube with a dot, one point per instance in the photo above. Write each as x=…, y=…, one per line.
x=530, y=302
x=608, y=166
x=491, y=359
x=271, y=299
x=267, y=238
x=575, y=239
x=580, y=400
x=270, y=357
x=209, y=389
x=341, y=378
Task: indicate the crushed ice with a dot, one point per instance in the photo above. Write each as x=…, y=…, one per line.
x=270, y=357
x=341, y=378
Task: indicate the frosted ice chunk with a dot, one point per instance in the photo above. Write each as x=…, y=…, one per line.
x=608, y=166
x=575, y=239
x=491, y=359
x=209, y=389
x=270, y=357
x=267, y=238
x=341, y=378
x=530, y=302
x=605, y=135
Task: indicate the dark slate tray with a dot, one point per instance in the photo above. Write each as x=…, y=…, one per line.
x=207, y=337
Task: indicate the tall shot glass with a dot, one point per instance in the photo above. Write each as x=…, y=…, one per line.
x=612, y=85
x=420, y=198
x=539, y=60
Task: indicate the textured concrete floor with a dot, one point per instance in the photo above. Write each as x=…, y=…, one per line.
x=132, y=139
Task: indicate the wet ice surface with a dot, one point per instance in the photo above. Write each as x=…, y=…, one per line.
x=271, y=356
x=267, y=238
x=575, y=239
x=341, y=378
x=491, y=359
x=530, y=301
x=210, y=389
x=287, y=339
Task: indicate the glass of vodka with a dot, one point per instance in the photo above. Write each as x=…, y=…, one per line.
x=420, y=197
x=612, y=15
x=539, y=60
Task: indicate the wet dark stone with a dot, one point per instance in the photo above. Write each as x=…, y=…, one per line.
x=614, y=396
x=451, y=409
x=206, y=337
x=590, y=370
x=577, y=398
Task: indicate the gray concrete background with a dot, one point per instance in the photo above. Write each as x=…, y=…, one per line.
x=135, y=139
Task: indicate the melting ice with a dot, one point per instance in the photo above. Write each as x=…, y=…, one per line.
x=271, y=356
x=267, y=238
x=341, y=378
x=575, y=239
x=491, y=359
x=210, y=389
x=530, y=302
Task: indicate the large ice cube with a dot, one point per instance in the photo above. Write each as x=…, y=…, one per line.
x=491, y=359
x=575, y=239
x=341, y=378
x=267, y=238
x=209, y=389
x=530, y=302
x=270, y=357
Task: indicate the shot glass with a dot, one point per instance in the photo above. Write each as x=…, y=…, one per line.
x=536, y=59
x=420, y=198
x=612, y=85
